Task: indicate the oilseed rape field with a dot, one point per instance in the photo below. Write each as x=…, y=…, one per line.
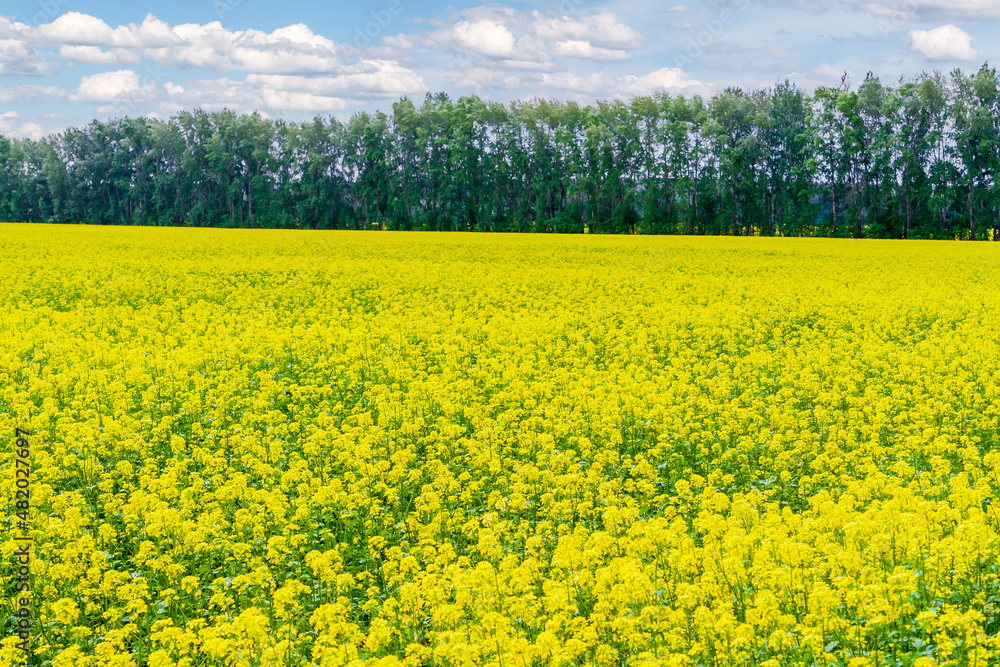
x=344, y=448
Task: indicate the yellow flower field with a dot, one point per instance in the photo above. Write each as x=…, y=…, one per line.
x=335, y=448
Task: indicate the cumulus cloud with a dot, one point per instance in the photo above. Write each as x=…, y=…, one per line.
x=287, y=102
x=17, y=56
x=595, y=83
x=485, y=80
x=665, y=78
x=77, y=28
x=294, y=49
x=107, y=87
x=368, y=78
x=291, y=69
x=502, y=37
x=483, y=37
x=123, y=91
x=93, y=55
x=521, y=40
x=244, y=96
x=30, y=94
x=510, y=38
x=18, y=59
x=575, y=48
x=209, y=94
x=210, y=46
x=602, y=30
x=286, y=94
x=894, y=14
x=11, y=125
x=949, y=42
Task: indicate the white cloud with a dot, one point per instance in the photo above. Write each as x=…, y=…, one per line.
x=288, y=102
x=894, y=14
x=294, y=49
x=484, y=80
x=75, y=28
x=10, y=28
x=209, y=94
x=291, y=69
x=369, y=78
x=596, y=83
x=244, y=96
x=542, y=64
x=108, y=87
x=575, y=48
x=30, y=94
x=286, y=94
x=152, y=32
x=510, y=38
x=666, y=78
x=211, y=46
x=949, y=42
x=12, y=126
x=503, y=37
x=93, y=55
x=602, y=30
x=404, y=42
x=17, y=57
x=483, y=37
x=828, y=71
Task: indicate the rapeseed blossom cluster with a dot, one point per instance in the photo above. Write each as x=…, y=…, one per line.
x=336, y=449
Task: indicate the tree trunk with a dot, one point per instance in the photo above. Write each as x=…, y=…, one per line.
x=736, y=228
x=694, y=205
x=774, y=222
x=972, y=217
x=833, y=193
x=909, y=216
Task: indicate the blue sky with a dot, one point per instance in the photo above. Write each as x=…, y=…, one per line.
x=67, y=62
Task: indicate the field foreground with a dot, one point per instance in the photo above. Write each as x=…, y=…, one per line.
x=323, y=448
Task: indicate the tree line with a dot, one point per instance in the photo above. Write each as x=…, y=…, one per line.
x=918, y=159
